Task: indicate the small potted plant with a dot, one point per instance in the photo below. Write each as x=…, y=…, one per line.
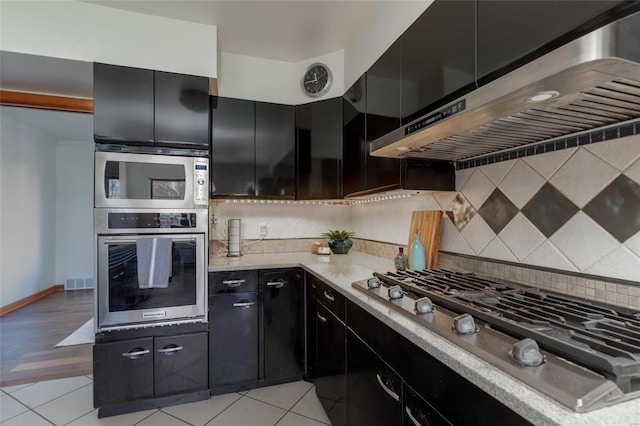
x=339, y=241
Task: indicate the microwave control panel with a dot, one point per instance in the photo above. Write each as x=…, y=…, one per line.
x=201, y=181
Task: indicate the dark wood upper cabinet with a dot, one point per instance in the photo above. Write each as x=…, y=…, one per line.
x=319, y=149
x=384, y=87
x=181, y=110
x=275, y=150
x=513, y=32
x=438, y=57
x=232, y=147
x=135, y=106
x=123, y=105
x=361, y=171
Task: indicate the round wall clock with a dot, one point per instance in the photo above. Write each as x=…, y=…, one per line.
x=316, y=80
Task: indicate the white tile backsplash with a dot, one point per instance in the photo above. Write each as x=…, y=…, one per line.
x=497, y=171
x=620, y=153
x=547, y=164
x=498, y=250
x=583, y=176
x=583, y=241
x=547, y=255
x=477, y=234
x=521, y=183
x=521, y=237
x=477, y=188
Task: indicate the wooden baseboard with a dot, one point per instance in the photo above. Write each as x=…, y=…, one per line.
x=29, y=299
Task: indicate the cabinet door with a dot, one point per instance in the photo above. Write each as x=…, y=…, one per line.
x=275, y=150
x=331, y=380
x=283, y=320
x=375, y=390
x=233, y=282
x=509, y=31
x=319, y=146
x=232, y=146
x=438, y=57
x=181, y=110
x=354, y=143
x=233, y=338
x=122, y=371
x=180, y=364
x=384, y=90
x=122, y=105
x=418, y=412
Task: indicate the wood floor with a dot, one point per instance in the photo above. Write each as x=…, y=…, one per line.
x=28, y=337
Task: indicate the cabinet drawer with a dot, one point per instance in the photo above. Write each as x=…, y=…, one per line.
x=233, y=282
x=180, y=364
x=123, y=371
x=329, y=297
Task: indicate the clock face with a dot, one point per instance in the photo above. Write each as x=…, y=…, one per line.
x=316, y=80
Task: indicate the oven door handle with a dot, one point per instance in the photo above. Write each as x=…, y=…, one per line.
x=244, y=304
x=136, y=353
x=116, y=242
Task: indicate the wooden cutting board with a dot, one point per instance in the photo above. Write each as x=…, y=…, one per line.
x=428, y=223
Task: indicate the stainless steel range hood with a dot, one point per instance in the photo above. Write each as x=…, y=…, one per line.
x=593, y=81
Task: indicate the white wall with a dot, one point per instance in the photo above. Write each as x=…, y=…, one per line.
x=27, y=193
x=74, y=211
x=93, y=33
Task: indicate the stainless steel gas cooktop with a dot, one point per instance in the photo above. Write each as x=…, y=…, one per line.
x=583, y=355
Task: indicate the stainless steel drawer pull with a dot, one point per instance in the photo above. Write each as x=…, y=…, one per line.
x=244, y=305
x=413, y=419
x=234, y=283
x=329, y=297
x=170, y=350
x=136, y=353
x=321, y=318
x=391, y=393
x=276, y=284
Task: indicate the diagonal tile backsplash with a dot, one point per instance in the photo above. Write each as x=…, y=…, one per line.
x=576, y=210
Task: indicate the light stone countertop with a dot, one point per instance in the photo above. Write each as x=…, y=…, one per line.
x=340, y=271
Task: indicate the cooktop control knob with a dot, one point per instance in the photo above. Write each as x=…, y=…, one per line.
x=373, y=282
x=464, y=324
x=424, y=305
x=395, y=292
x=527, y=353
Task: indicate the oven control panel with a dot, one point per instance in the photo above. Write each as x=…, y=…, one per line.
x=201, y=181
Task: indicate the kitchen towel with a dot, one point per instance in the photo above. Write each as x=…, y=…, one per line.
x=154, y=262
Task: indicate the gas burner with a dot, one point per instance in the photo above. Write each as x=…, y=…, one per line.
x=583, y=354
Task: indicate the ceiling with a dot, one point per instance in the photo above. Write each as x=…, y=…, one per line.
x=289, y=31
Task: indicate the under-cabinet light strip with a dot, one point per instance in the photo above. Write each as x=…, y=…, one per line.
x=323, y=202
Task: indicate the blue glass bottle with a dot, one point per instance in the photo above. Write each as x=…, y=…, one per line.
x=417, y=259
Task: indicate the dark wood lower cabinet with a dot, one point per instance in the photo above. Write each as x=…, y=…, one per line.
x=150, y=367
x=233, y=338
x=374, y=389
x=282, y=320
x=180, y=364
x=331, y=380
x=122, y=371
x=417, y=411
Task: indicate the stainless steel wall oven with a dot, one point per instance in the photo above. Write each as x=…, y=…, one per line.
x=151, y=239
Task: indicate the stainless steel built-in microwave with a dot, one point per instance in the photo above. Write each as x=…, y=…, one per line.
x=128, y=180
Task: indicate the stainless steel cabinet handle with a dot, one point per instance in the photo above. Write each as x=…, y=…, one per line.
x=329, y=297
x=413, y=419
x=242, y=304
x=171, y=350
x=234, y=283
x=136, y=353
x=321, y=318
x=276, y=284
x=391, y=393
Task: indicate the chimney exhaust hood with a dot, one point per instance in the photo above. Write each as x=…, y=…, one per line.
x=591, y=82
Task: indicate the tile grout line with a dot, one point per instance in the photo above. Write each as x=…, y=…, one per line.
x=171, y=415
x=230, y=405
x=58, y=397
x=145, y=418
x=90, y=411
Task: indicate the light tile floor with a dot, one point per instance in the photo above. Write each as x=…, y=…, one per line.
x=70, y=402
